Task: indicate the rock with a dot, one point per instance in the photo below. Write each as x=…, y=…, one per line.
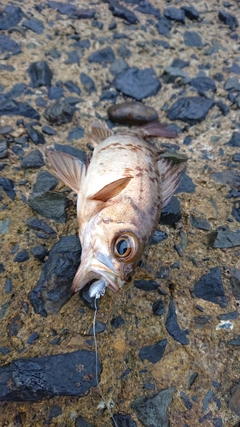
x=122, y=12
x=54, y=413
x=186, y=184
x=146, y=285
x=101, y=56
x=192, y=39
x=10, y=17
x=15, y=108
x=40, y=74
x=203, y=84
x=48, y=130
x=45, y=182
x=118, y=66
x=37, y=224
x=39, y=252
x=4, y=351
x=153, y=353
x=235, y=282
x=191, y=12
x=227, y=177
x=148, y=8
x=32, y=338
x=224, y=108
x=191, y=109
x=88, y=83
x=3, y=149
x=132, y=113
x=8, y=287
x=201, y=321
x=53, y=289
x=122, y=420
x=152, y=410
x=235, y=68
x=158, y=237
x=76, y=133
x=175, y=14
x=234, y=400
x=236, y=157
x=72, y=87
x=83, y=14
x=137, y=84
x=38, y=377
x=8, y=186
x=234, y=141
x=171, y=213
x=99, y=327
x=64, y=8
x=229, y=316
x=234, y=341
x=81, y=422
x=109, y=95
x=173, y=327
x=49, y=204
x=55, y=92
x=117, y=321
x=17, y=90
x=224, y=239
x=97, y=24
x=60, y=112
x=21, y=256
x=228, y=19
x=233, y=84
x=210, y=288
x=13, y=328
x=200, y=223
x=73, y=151
x=236, y=211
x=158, y=308
x=164, y=26
x=34, y=159
x=7, y=129
x=90, y=302
x=33, y=24
x=4, y=226
x=8, y=45
x=172, y=73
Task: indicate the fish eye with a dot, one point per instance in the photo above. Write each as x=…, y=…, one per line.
x=125, y=246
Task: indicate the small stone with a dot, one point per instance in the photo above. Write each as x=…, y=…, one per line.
x=234, y=141
x=3, y=149
x=158, y=237
x=8, y=45
x=60, y=112
x=4, y=226
x=88, y=83
x=122, y=12
x=186, y=184
x=171, y=213
x=224, y=239
x=40, y=74
x=17, y=90
x=15, y=108
x=210, y=288
x=83, y=13
x=99, y=327
x=72, y=87
x=203, y=84
x=187, y=402
x=21, y=256
x=14, y=327
x=207, y=399
x=121, y=420
x=153, y=353
x=72, y=151
x=76, y=133
x=137, y=84
x=45, y=182
x=37, y=224
x=48, y=130
x=148, y=8
x=172, y=73
x=5, y=130
x=50, y=205
x=233, y=84
x=236, y=211
x=118, y=66
x=133, y=113
x=235, y=68
x=109, y=95
x=164, y=26
x=33, y=24
x=101, y=56
x=64, y=8
x=10, y=17
x=146, y=285
x=81, y=422
x=117, y=321
x=55, y=92
x=39, y=252
x=235, y=282
x=32, y=338
x=8, y=186
x=175, y=14
x=158, y=308
x=200, y=223
x=224, y=108
x=8, y=287
x=228, y=19
x=97, y=24
x=192, y=109
x=34, y=159
x=192, y=39
x=4, y=351
x=191, y=12
x=172, y=325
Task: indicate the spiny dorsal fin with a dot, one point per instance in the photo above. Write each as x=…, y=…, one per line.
x=170, y=178
x=68, y=168
x=155, y=129
x=98, y=134
x=111, y=190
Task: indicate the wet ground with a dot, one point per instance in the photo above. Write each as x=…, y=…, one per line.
x=205, y=371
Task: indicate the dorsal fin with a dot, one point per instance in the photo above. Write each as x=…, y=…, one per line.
x=98, y=134
x=170, y=179
x=68, y=168
x=111, y=190
x=155, y=129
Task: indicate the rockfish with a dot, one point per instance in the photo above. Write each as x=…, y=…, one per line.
x=120, y=196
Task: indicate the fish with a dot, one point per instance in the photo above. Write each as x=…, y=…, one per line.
x=120, y=194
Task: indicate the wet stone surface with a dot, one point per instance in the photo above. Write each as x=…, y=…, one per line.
x=169, y=340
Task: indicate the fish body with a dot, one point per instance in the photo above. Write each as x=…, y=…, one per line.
x=120, y=197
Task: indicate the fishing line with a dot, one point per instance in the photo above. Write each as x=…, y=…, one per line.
x=96, y=354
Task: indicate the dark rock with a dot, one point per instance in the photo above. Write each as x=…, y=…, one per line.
x=122, y=420
x=3, y=149
x=64, y=8
x=210, y=287
x=17, y=90
x=34, y=25
x=90, y=302
x=224, y=108
x=83, y=14
x=207, y=399
x=228, y=19
x=21, y=256
x=203, y=84
x=152, y=410
x=122, y=12
x=148, y=8
x=109, y=95
x=229, y=316
x=201, y=321
x=45, y=182
x=2, y=269
x=73, y=151
x=48, y=130
x=40, y=101
x=50, y=205
x=7, y=129
x=40, y=74
x=232, y=84
x=32, y=338
x=6, y=67
x=54, y=413
x=186, y=184
x=146, y=285
x=132, y=113
x=101, y=56
x=172, y=325
x=191, y=12
x=37, y=224
x=55, y=341
x=162, y=273
x=224, y=239
x=4, y=225
x=73, y=58
x=200, y=223
x=76, y=133
x=171, y=213
x=81, y=422
x=158, y=237
x=192, y=39
x=97, y=24
x=175, y=14
x=72, y=87
x=158, y=308
x=38, y=377
x=187, y=402
x=53, y=289
x=39, y=252
x=234, y=141
x=137, y=84
x=236, y=211
x=227, y=177
x=118, y=66
x=15, y=108
x=13, y=328
x=217, y=422
x=8, y=286
x=172, y=73
x=8, y=186
x=8, y=45
x=179, y=63
x=88, y=83
x=11, y=16
x=34, y=159
x=153, y=353
x=123, y=51
x=235, y=282
x=4, y=351
x=117, y=321
x=191, y=109
x=235, y=68
x=236, y=157
x=234, y=341
x=99, y=327
x=55, y=92
x=162, y=43
x=164, y=26
x=60, y=112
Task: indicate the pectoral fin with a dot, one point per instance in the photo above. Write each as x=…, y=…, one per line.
x=111, y=190
x=68, y=168
x=170, y=179
x=155, y=129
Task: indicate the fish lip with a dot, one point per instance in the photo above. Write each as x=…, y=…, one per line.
x=105, y=274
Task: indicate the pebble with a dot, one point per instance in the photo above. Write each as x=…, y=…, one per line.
x=235, y=282
x=233, y=84
x=171, y=213
x=190, y=12
x=164, y=26
x=39, y=252
x=21, y=256
x=15, y=108
x=8, y=287
x=3, y=149
x=234, y=141
x=72, y=87
x=60, y=112
x=228, y=19
x=175, y=14
x=33, y=337
x=40, y=74
x=158, y=308
x=121, y=420
x=45, y=181
x=7, y=129
x=173, y=327
x=4, y=351
x=17, y=90
x=8, y=186
x=109, y=95
x=153, y=353
x=210, y=287
x=54, y=413
x=10, y=17
x=102, y=56
x=132, y=113
x=34, y=159
x=53, y=288
x=148, y=8
x=32, y=382
x=224, y=239
x=33, y=24
x=38, y=224
x=137, y=83
x=55, y=92
x=192, y=109
x=187, y=402
x=200, y=223
x=192, y=39
x=99, y=327
x=172, y=73
x=81, y=422
x=88, y=83
x=83, y=14
x=64, y=8
x=146, y=285
x=158, y=237
x=76, y=133
x=118, y=66
x=116, y=322
x=7, y=45
x=122, y=12
x=48, y=130
x=203, y=84
x=49, y=204
x=236, y=211
x=13, y=328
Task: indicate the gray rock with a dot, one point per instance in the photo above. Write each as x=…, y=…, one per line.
x=171, y=73
x=45, y=182
x=200, y=223
x=122, y=12
x=137, y=83
x=4, y=226
x=191, y=109
x=50, y=205
x=34, y=159
x=232, y=83
x=59, y=112
x=118, y=66
x=192, y=39
x=210, y=287
x=40, y=74
x=224, y=239
x=235, y=282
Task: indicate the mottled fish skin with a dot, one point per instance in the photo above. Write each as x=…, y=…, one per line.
x=120, y=197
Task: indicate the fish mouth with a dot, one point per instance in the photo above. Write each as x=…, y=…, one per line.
x=95, y=268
